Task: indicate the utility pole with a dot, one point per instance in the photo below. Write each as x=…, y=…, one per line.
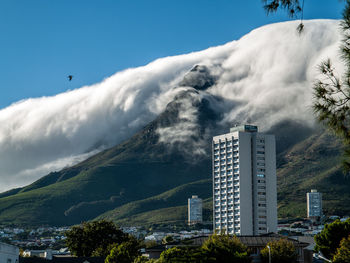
x=269, y=253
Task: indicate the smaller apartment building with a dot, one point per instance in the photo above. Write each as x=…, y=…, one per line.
x=195, y=214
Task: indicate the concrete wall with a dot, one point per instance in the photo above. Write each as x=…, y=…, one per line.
x=245, y=180
x=271, y=182
x=8, y=253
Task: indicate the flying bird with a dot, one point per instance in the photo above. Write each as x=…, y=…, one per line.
x=70, y=77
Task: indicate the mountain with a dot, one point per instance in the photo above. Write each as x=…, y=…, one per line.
x=140, y=167
x=145, y=178
x=155, y=124
x=263, y=78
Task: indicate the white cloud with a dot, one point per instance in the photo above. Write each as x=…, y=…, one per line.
x=267, y=74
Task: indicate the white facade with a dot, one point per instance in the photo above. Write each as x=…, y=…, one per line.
x=314, y=204
x=8, y=253
x=194, y=210
x=244, y=182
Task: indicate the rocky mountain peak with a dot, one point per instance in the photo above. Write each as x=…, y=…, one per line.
x=199, y=77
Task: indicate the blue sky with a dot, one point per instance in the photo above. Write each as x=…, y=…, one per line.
x=43, y=41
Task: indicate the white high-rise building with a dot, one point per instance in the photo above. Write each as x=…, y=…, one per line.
x=194, y=210
x=314, y=204
x=244, y=182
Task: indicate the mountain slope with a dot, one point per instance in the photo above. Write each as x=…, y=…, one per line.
x=141, y=167
x=128, y=179
x=304, y=163
x=313, y=164
x=176, y=197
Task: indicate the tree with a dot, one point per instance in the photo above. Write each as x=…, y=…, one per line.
x=282, y=251
x=293, y=7
x=181, y=254
x=343, y=252
x=167, y=239
x=94, y=238
x=125, y=252
x=329, y=239
x=224, y=248
x=141, y=259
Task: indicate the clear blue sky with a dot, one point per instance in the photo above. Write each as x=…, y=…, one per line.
x=43, y=41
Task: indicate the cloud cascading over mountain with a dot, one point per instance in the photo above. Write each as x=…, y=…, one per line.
x=265, y=77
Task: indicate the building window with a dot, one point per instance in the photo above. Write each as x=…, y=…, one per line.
x=260, y=175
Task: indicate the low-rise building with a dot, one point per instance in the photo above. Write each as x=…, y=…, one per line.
x=195, y=214
x=314, y=205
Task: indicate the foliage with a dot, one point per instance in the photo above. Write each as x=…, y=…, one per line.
x=103, y=251
x=224, y=248
x=217, y=248
x=94, y=238
x=141, y=259
x=293, y=7
x=329, y=239
x=343, y=252
x=167, y=239
x=149, y=243
x=181, y=254
x=282, y=251
x=125, y=252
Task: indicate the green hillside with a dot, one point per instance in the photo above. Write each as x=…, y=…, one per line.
x=171, y=201
x=313, y=164
x=163, y=216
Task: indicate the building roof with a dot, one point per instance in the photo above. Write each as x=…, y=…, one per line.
x=261, y=241
x=8, y=245
x=161, y=247
x=249, y=241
